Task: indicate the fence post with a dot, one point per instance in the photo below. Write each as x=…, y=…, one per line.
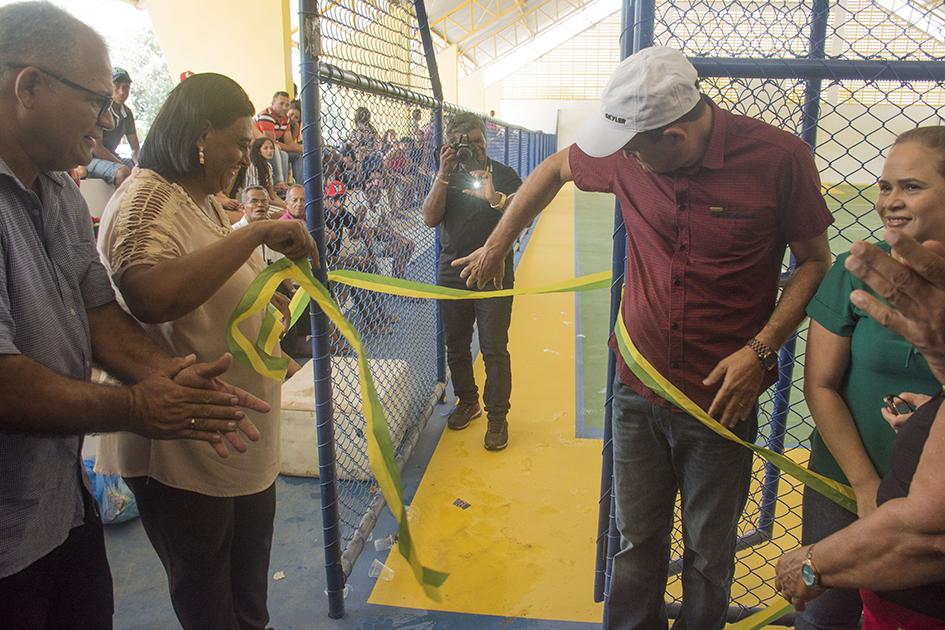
x=637, y=23
x=440, y=335
x=820, y=14
x=309, y=34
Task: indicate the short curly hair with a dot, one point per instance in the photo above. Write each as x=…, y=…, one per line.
x=464, y=122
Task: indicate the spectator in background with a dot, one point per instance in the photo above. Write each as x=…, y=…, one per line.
x=105, y=162
x=186, y=74
x=364, y=134
x=294, y=203
x=273, y=122
x=229, y=199
x=295, y=125
x=395, y=171
x=259, y=171
x=345, y=248
x=255, y=205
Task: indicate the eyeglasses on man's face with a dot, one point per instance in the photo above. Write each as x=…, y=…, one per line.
x=104, y=101
x=253, y=201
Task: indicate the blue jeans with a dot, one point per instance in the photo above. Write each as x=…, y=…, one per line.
x=658, y=452
x=281, y=162
x=837, y=608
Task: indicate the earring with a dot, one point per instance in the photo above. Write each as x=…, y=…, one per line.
x=200, y=156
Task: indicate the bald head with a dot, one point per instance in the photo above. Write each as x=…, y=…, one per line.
x=55, y=88
x=41, y=34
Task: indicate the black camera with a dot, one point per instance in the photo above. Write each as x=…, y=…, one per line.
x=464, y=150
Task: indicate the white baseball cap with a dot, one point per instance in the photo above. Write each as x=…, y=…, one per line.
x=647, y=91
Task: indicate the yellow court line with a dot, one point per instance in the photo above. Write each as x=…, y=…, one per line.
x=525, y=546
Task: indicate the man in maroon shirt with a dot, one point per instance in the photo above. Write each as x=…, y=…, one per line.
x=710, y=201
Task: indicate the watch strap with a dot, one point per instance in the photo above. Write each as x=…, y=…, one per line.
x=766, y=355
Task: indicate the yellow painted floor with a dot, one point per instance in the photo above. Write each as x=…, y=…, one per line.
x=525, y=547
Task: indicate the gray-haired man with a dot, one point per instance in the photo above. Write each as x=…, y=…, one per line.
x=57, y=315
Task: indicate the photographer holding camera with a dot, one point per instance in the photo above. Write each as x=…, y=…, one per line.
x=467, y=200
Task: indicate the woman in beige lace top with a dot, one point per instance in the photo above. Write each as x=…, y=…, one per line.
x=180, y=270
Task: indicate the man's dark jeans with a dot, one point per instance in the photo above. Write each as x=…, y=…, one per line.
x=492, y=318
x=658, y=452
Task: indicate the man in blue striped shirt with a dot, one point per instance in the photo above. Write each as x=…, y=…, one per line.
x=57, y=315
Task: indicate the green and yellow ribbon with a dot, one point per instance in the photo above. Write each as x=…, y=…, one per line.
x=258, y=354
x=380, y=448
x=835, y=491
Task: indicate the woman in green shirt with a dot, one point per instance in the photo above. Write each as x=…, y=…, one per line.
x=853, y=363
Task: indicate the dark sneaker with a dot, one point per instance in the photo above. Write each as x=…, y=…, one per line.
x=460, y=417
x=497, y=436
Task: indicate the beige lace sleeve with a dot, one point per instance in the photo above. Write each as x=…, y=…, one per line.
x=146, y=230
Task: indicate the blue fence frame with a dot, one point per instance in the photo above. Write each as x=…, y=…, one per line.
x=312, y=72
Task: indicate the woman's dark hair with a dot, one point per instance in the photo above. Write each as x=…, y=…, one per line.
x=203, y=100
x=261, y=163
x=932, y=137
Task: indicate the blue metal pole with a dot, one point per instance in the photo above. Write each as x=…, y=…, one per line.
x=636, y=33
x=521, y=161
x=505, y=145
x=440, y=335
x=321, y=353
x=429, y=52
x=786, y=359
x=839, y=69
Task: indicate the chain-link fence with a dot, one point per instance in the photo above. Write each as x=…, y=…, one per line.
x=371, y=156
x=847, y=77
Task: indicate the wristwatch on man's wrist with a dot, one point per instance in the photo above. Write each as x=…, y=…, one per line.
x=809, y=574
x=767, y=356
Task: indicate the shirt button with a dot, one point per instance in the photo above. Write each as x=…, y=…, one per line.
x=681, y=207
x=675, y=326
x=674, y=365
x=682, y=247
x=676, y=282
x=72, y=311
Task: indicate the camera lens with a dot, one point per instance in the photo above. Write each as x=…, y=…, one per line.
x=464, y=153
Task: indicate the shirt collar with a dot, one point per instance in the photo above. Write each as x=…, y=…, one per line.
x=45, y=177
x=714, y=157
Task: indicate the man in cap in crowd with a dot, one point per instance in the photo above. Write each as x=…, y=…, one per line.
x=709, y=200
x=58, y=314
x=105, y=162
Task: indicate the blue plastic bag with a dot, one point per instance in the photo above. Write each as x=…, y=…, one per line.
x=116, y=501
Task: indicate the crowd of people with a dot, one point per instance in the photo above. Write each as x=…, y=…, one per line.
x=710, y=200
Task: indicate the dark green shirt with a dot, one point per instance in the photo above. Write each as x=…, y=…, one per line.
x=881, y=363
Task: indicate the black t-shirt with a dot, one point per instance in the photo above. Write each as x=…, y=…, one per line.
x=907, y=449
x=337, y=222
x=124, y=125
x=468, y=222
